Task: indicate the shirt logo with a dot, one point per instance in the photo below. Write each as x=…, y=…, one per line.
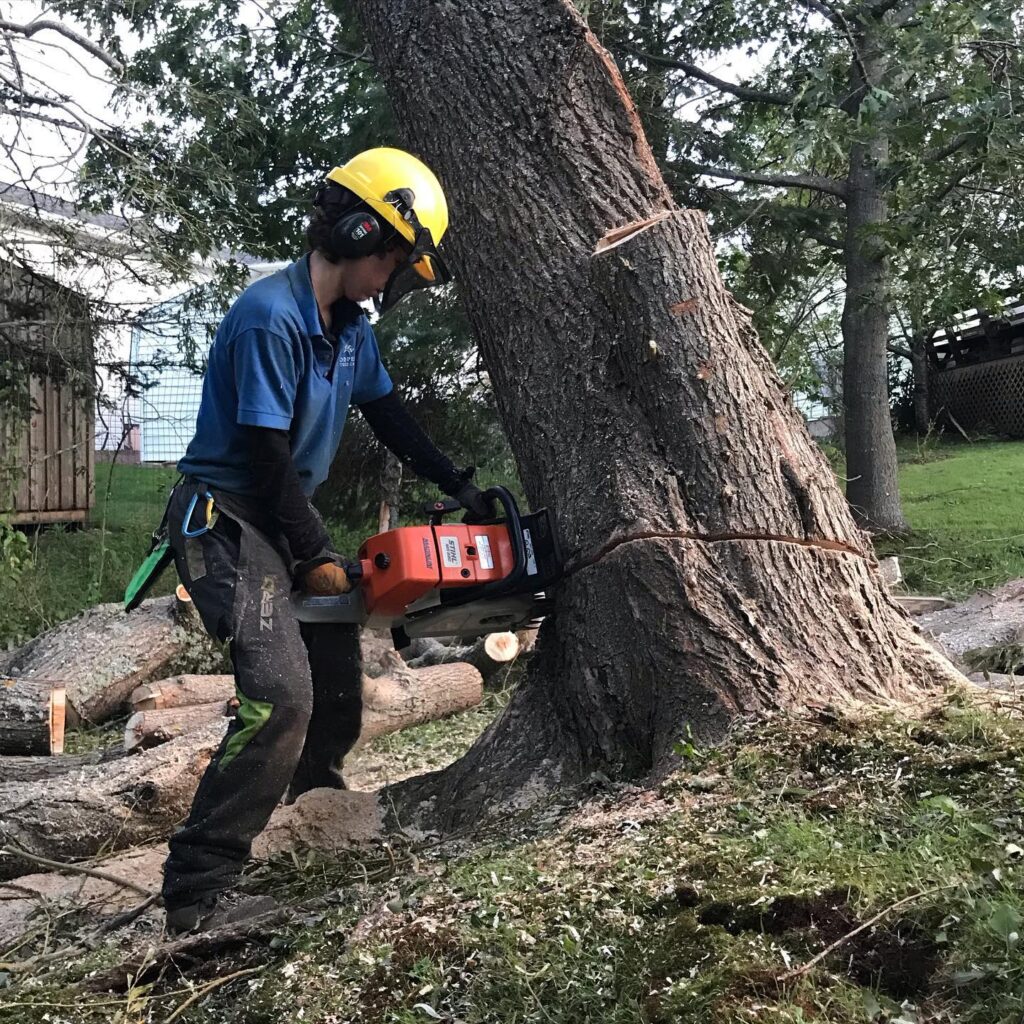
x=347, y=354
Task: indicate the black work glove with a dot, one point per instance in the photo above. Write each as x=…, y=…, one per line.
x=477, y=506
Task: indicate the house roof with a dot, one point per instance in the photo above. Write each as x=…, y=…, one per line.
x=41, y=202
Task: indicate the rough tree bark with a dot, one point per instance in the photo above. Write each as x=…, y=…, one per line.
x=871, y=467
x=715, y=570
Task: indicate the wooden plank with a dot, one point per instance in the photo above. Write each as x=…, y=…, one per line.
x=83, y=443
x=71, y=515
x=68, y=446
x=23, y=501
x=37, y=448
x=88, y=416
x=51, y=412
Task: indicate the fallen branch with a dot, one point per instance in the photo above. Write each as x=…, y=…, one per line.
x=209, y=987
x=190, y=951
x=832, y=947
x=74, y=869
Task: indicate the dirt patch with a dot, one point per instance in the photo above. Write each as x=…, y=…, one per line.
x=898, y=959
x=827, y=913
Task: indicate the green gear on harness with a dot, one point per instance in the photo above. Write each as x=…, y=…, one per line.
x=160, y=556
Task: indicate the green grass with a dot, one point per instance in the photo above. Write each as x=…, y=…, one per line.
x=53, y=573
x=965, y=505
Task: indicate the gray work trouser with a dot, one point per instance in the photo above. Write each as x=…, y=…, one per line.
x=298, y=687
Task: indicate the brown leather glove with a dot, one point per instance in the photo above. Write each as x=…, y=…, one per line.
x=326, y=579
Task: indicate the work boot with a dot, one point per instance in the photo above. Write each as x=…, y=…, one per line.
x=217, y=910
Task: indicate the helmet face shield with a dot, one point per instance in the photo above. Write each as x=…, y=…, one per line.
x=425, y=268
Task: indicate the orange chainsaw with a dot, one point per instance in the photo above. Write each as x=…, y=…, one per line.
x=448, y=579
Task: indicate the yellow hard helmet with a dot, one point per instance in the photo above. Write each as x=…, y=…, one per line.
x=408, y=196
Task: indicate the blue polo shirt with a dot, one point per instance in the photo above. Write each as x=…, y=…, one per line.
x=271, y=366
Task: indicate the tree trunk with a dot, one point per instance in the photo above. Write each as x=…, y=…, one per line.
x=107, y=806
x=922, y=392
x=103, y=654
x=390, y=493
x=871, y=467
x=714, y=568
x=31, y=717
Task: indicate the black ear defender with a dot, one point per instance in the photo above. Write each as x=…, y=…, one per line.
x=355, y=234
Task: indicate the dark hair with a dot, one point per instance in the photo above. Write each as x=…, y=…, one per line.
x=335, y=201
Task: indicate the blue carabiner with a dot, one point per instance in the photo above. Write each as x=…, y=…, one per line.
x=188, y=516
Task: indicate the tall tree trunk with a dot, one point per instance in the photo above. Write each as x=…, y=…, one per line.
x=871, y=468
x=715, y=570
x=390, y=493
x=922, y=384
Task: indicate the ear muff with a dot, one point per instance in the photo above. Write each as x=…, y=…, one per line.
x=357, y=234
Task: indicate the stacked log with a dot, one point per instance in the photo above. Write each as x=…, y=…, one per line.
x=106, y=806
x=103, y=654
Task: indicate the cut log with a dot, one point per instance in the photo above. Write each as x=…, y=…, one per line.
x=31, y=716
x=411, y=697
x=132, y=800
x=915, y=605
x=180, y=691
x=103, y=654
x=488, y=654
x=379, y=655
x=42, y=767
x=147, y=729
x=103, y=807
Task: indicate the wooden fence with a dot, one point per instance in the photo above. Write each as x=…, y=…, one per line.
x=46, y=462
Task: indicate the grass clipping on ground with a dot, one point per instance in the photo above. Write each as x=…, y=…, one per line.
x=708, y=897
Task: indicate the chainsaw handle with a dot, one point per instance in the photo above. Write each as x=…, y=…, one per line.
x=496, y=588
x=503, y=496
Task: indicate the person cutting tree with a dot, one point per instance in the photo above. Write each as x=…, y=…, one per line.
x=290, y=358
